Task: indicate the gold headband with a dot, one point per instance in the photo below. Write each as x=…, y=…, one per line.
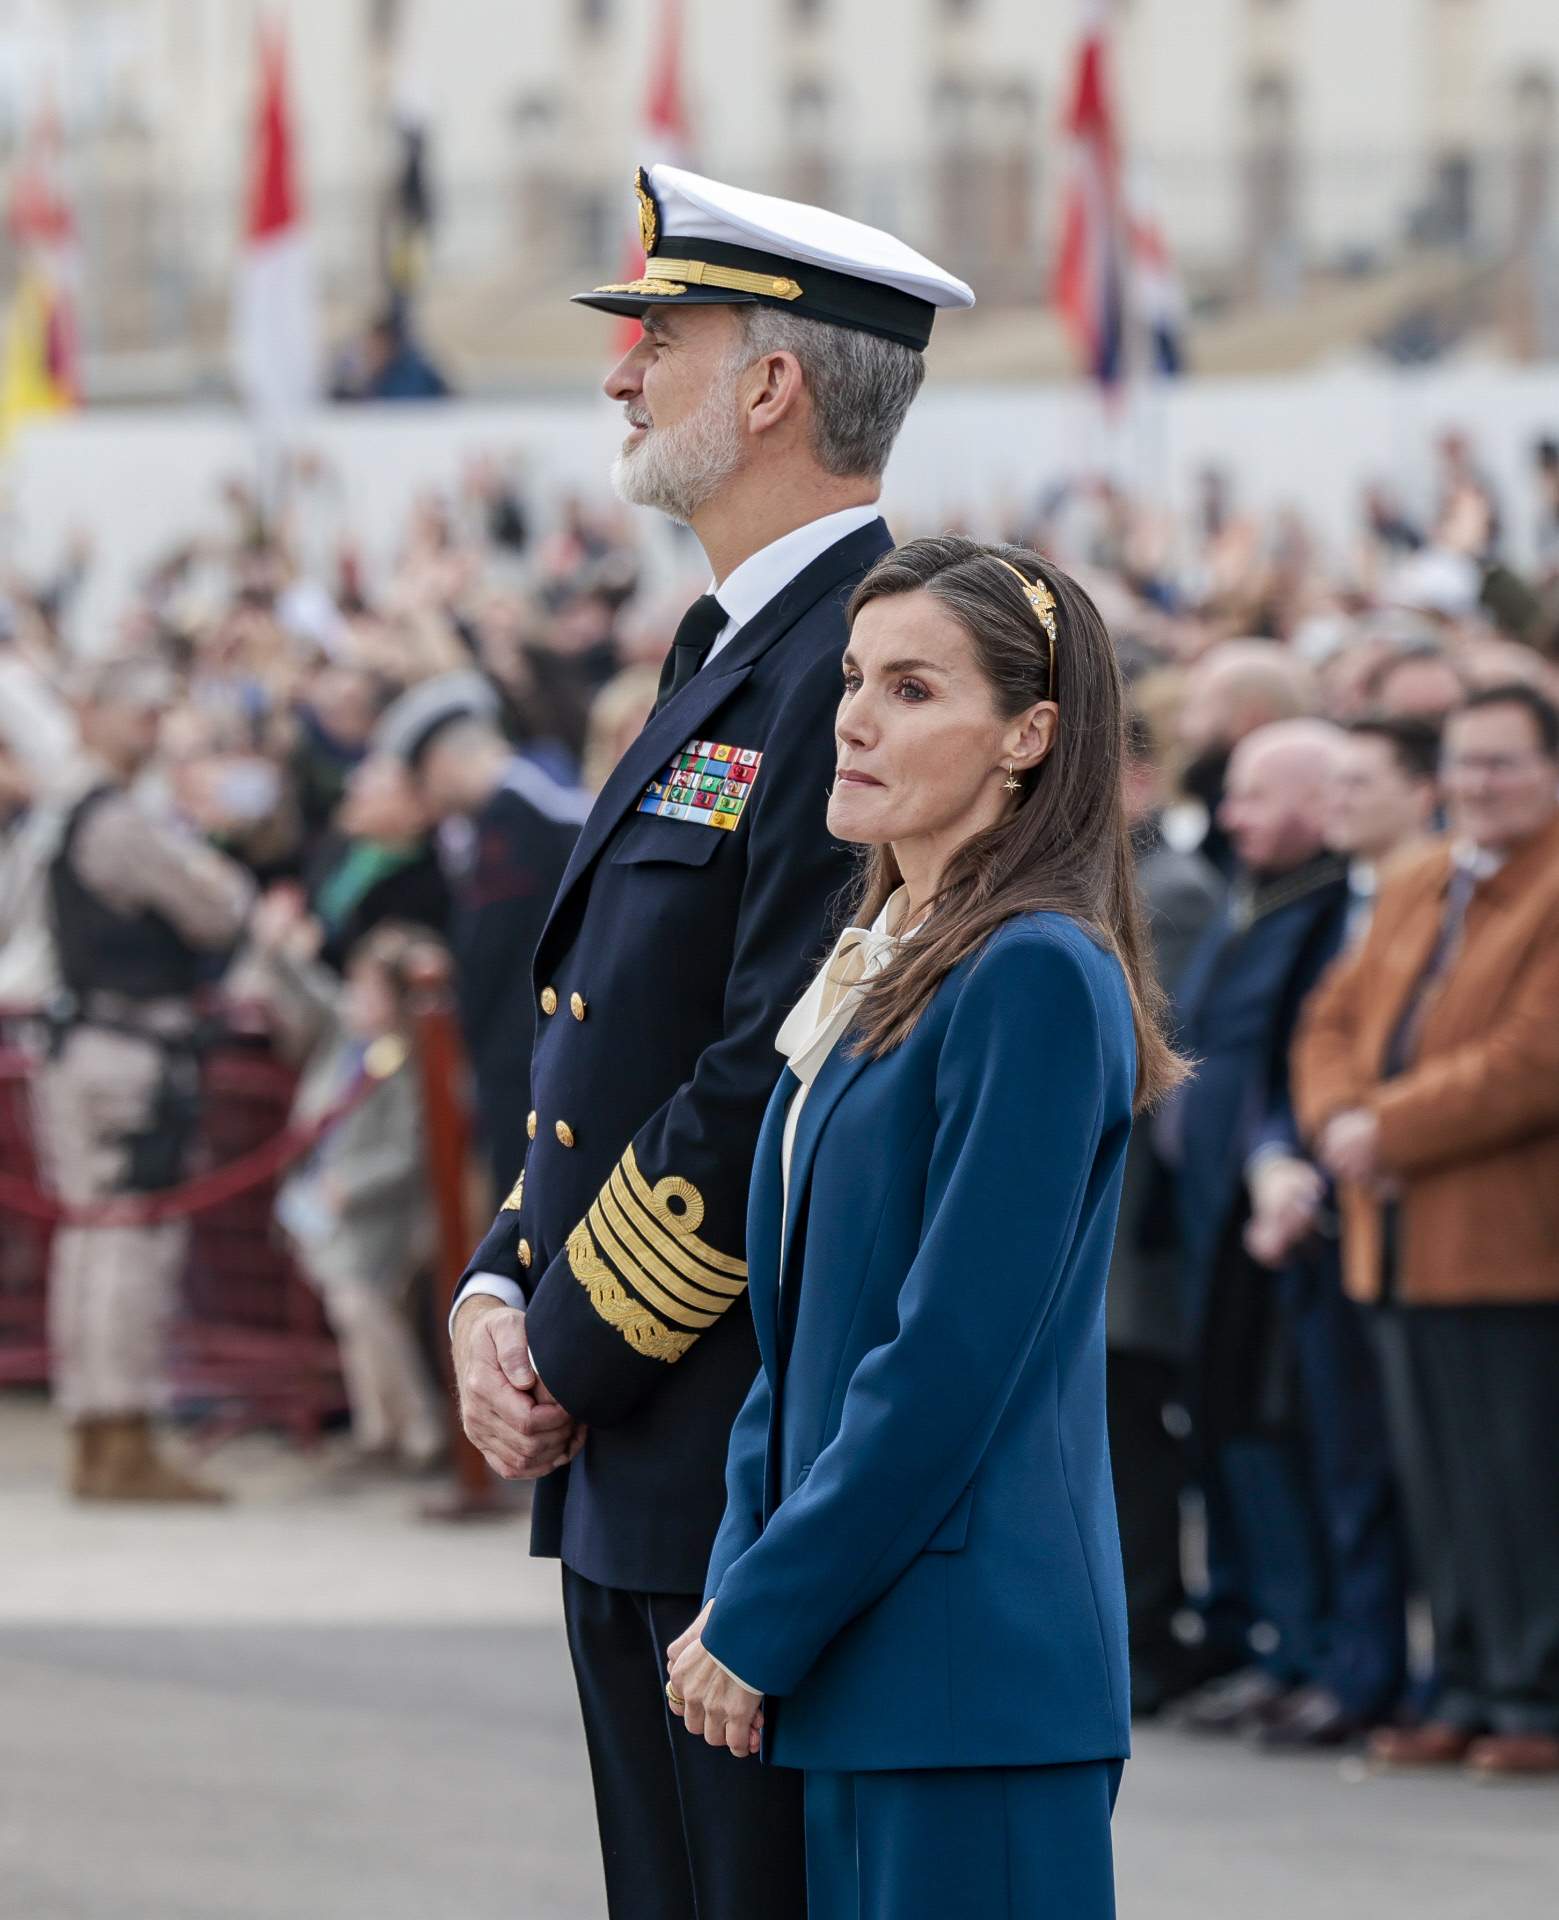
x=1042, y=604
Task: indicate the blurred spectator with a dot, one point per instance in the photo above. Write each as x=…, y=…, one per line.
x=1427, y=1074
x=357, y=1211
x=1241, y=996
x=334, y=719
x=379, y=863
x=388, y=363
x=1420, y=683
x=135, y=903
x=507, y=832
x=29, y=835
x=1231, y=691
x=1144, y=1328
x=1545, y=461
x=1382, y=802
x=617, y=717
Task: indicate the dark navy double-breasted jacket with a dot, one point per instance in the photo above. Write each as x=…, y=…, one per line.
x=674, y=950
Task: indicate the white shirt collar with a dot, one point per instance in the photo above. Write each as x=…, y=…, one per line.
x=826, y=1009
x=748, y=589
x=1481, y=862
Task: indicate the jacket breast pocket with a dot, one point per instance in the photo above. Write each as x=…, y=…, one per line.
x=953, y=1533
x=678, y=842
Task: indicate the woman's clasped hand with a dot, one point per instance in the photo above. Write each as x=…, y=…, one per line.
x=708, y=1700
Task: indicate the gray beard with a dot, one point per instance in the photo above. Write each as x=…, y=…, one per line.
x=677, y=470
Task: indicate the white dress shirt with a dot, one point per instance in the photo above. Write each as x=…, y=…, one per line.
x=824, y=1013
x=744, y=593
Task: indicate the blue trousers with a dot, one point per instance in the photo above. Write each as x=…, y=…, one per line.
x=963, y=1843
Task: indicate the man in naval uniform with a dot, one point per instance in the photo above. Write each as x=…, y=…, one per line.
x=603, y=1343
x=506, y=830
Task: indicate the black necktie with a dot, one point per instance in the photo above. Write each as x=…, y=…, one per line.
x=696, y=634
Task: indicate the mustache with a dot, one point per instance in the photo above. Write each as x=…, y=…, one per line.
x=637, y=417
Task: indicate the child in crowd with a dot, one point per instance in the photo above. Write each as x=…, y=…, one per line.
x=356, y=1211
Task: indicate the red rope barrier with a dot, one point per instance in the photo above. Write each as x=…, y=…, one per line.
x=207, y=1190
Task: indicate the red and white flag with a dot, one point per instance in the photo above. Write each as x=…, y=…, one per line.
x=665, y=137
x=275, y=323
x=1090, y=282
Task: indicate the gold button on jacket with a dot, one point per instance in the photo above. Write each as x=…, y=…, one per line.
x=523, y=1250
x=530, y=1123
x=549, y=1000
x=565, y=1133
x=576, y=1005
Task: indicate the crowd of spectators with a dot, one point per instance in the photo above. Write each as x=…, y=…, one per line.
x=1335, y=1311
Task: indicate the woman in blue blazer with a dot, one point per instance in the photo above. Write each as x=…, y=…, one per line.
x=916, y=1593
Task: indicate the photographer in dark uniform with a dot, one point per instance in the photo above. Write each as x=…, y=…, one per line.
x=136, y=902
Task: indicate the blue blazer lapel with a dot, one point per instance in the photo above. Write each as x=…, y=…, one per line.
x=764, y=1224
x=668, y=731
x=835, y=1076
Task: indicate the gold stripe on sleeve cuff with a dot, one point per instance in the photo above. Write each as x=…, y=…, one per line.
x=638, y=1256
x=637, y=1325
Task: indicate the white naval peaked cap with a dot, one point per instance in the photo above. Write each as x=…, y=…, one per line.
x=707, y=243
x=411, y=723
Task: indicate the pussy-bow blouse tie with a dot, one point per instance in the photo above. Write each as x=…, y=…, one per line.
x=828, y=1006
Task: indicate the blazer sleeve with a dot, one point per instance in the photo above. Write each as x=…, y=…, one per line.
x=1486, y=1094
x=1008, y=1175
x=657, y=1261
x=744, y=1471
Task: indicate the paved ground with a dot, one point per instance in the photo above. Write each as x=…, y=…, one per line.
x=311, y=1707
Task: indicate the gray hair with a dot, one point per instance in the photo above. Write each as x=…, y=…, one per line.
x=861, y=384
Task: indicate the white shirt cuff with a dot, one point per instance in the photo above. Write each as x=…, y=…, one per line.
x=732, y=1676
x=1272, y=1150
x=493, y=1283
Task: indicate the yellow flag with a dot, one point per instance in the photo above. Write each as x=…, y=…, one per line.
x=30, y=382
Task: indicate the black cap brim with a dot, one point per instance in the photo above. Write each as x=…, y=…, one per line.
x=633, y=304
x=816, y=293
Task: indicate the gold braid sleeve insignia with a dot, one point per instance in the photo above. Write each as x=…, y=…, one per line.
x=637, y=1325
x=638, y=1256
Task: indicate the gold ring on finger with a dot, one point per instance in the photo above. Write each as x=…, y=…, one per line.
x=673, y=1696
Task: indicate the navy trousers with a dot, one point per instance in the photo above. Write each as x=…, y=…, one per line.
x=1303, y=1529
x=687, y=1832
x=963, y=1843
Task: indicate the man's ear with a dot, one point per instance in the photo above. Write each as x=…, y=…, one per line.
x=1032, y=734
x=778, y=391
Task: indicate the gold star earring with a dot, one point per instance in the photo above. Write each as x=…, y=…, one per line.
x=1012, y=783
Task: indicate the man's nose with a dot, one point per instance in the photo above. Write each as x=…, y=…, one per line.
x=626, y=380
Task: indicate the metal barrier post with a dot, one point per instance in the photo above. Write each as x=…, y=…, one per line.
x=441, y=1067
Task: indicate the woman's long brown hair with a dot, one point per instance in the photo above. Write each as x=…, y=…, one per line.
x=1066, y=847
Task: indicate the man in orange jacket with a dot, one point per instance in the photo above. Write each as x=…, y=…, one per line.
x=1426, y=1075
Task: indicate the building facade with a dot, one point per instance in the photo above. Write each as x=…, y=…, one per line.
x=1275, y=140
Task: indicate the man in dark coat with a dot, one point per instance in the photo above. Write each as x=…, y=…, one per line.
x=1144, y=1325
x=1241, y=997
x=603, y=1321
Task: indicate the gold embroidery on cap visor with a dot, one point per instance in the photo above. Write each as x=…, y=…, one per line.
x=638, y=1256
x=677, y=276
x=1042, y=604
x=649, y=217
